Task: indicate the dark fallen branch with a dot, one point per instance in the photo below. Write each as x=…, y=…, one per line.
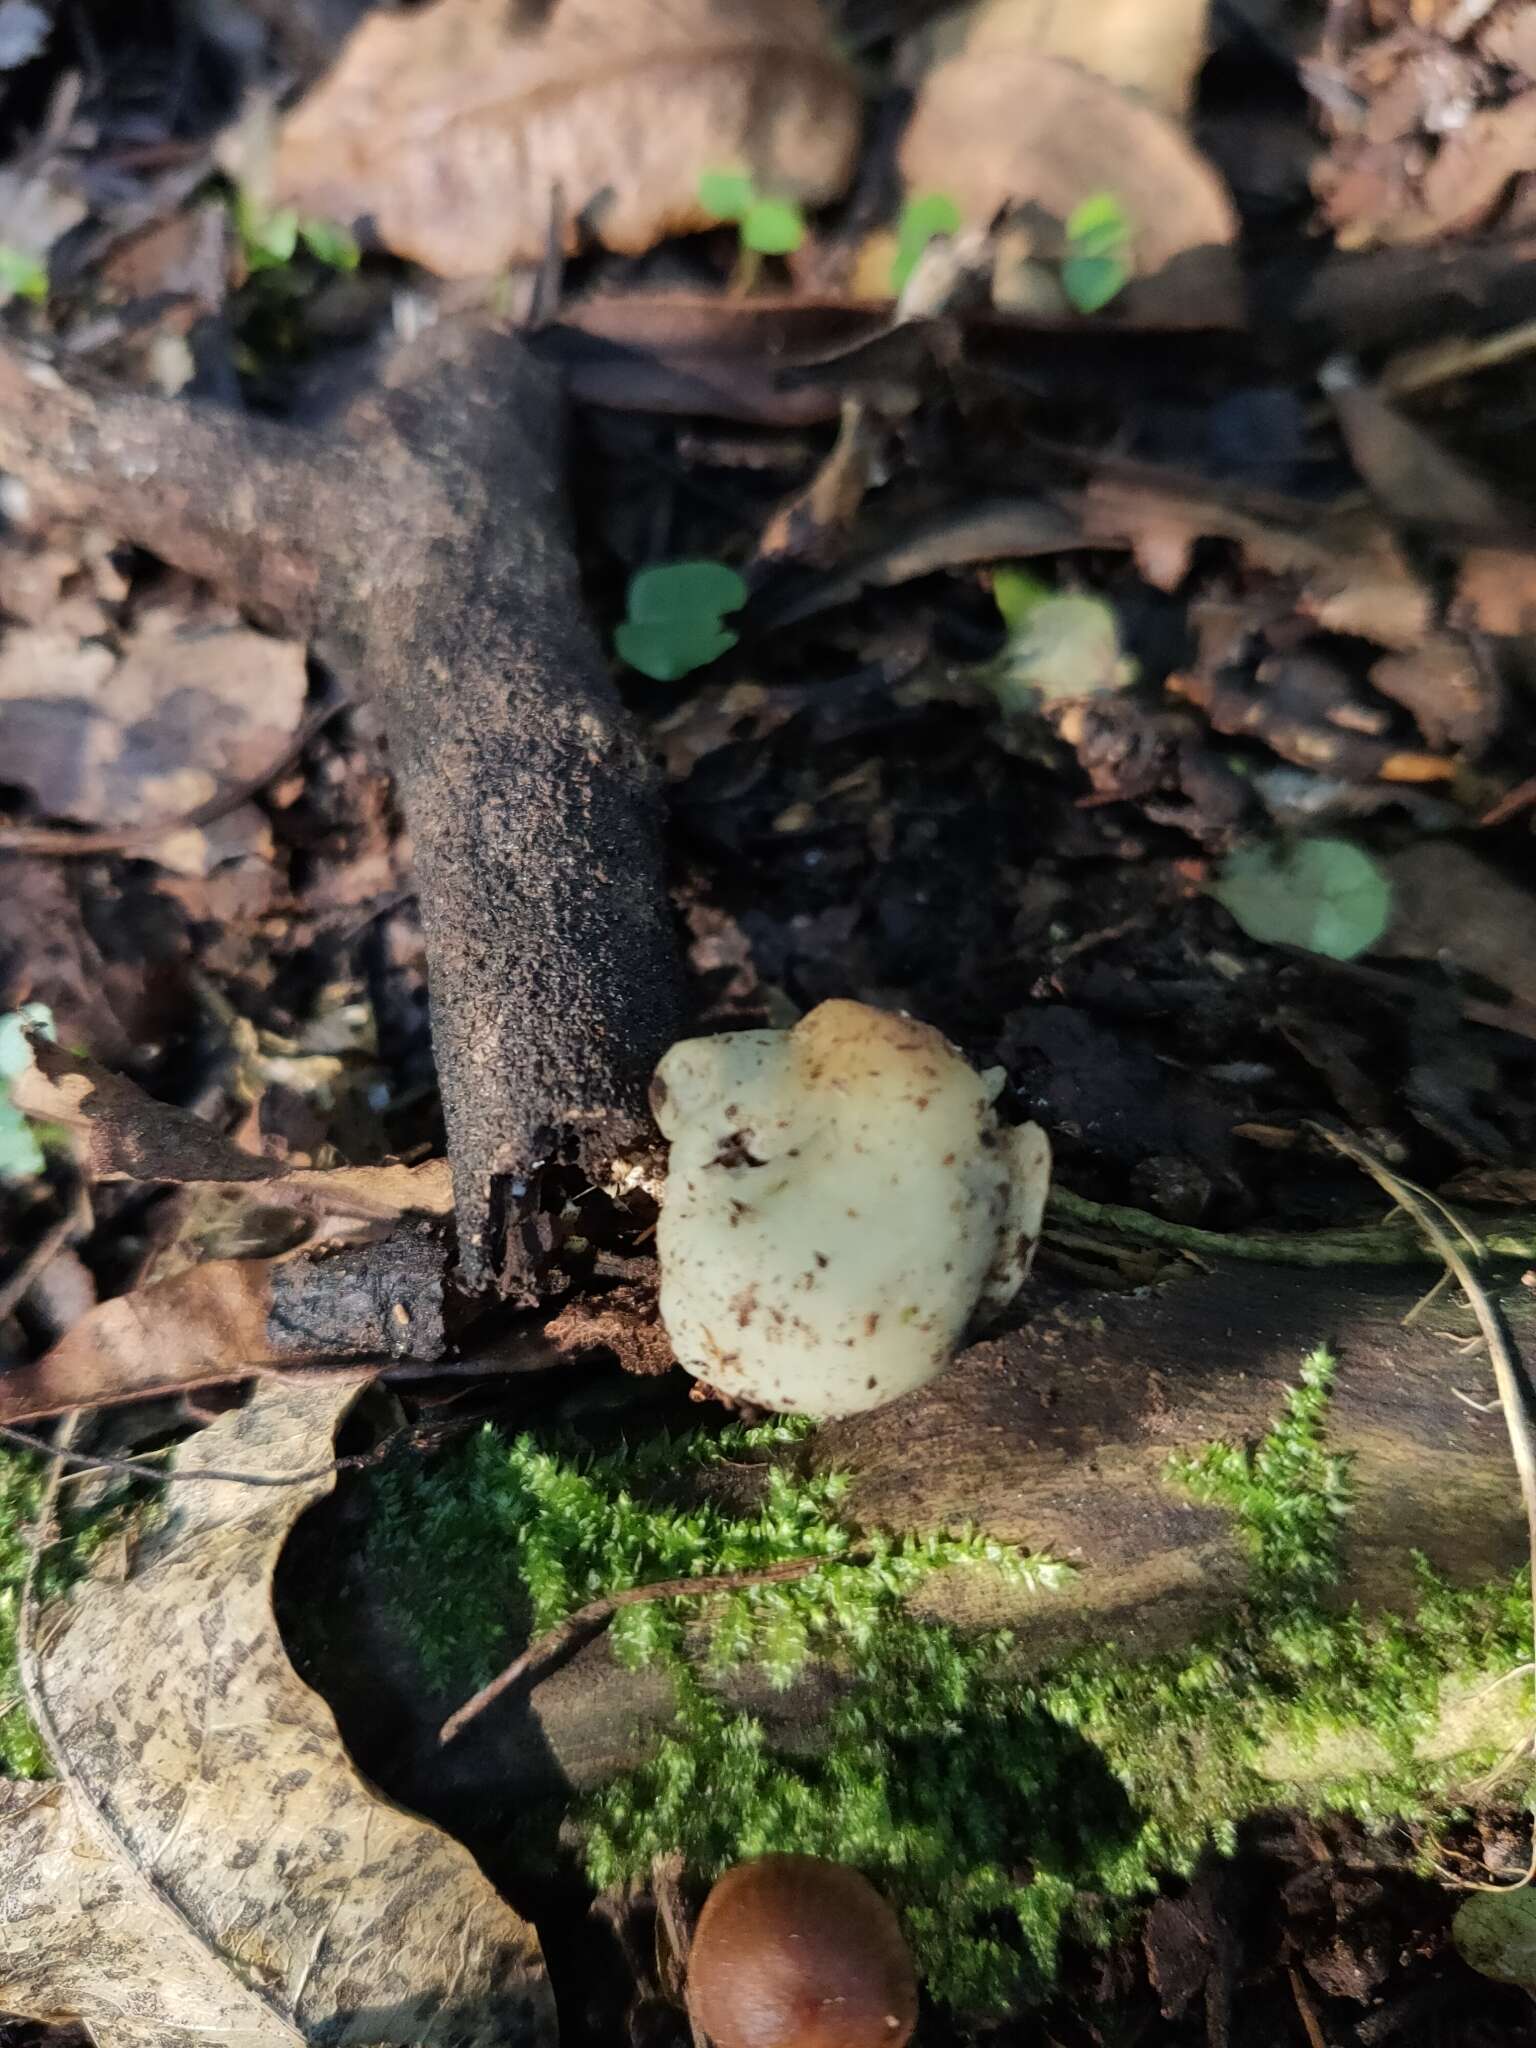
x=419, y=540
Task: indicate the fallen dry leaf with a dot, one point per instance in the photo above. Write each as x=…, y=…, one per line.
x=231, y=1319
x=1427, y=136
x=1449, y=906
x=1509, y=38
x=1454, y=696
x=1496, y=592
x=190, y=708
x=446, y=130
x=125, y=1134
x=211, y=1867
x=1015, y=128
x=1473, y=168
x=1410, y=475
x=1152, y=47
x=1352, y=576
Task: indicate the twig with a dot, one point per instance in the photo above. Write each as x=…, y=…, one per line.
x=1315, y=2035
x=1510, y=1376
x=1511, y=1236
x=53, y=1240
x=96, y=1462
x=597, y=1614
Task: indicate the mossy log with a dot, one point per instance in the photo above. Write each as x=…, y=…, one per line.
x=1057, y=1435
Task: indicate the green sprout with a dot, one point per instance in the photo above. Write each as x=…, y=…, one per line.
x=768, y=226
x=21, y=1156
x=22, y=275
x=270, y=238
x=1097, y=264
x=925, y=215
x=1061, y=645
x=675, y=618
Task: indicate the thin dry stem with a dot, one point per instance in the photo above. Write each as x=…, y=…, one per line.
x=596, y=1615
x=1509, y=1371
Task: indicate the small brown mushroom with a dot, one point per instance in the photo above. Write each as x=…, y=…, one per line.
x=795, y=1952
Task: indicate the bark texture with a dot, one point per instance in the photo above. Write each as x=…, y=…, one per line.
x=419, y=538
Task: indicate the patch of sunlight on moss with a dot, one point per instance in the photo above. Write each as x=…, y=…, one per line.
x=998, y=1811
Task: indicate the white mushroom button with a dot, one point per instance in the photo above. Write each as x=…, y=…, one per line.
x=840, y=1200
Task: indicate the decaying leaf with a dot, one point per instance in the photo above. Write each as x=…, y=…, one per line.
x=1452, y=907
x=189, y=708
x=230, y=1319
x=211, y=1867
x=1154, y=48
x=1352, y=576
x=447, y=130
x=125, y=1134
x=1455, y=697
x=1495, y=1932
x=1015, y=128
x=1496, y=591
x=1411, y=475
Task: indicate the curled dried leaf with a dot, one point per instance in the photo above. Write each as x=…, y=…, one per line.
x=447, y=130
x=212, y=1866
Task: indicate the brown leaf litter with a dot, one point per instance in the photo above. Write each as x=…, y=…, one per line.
x=145, y=722
x=1432, y=120
x=122, y=1133
x=210, y=1864
x=1153, y=48
x=449, y=129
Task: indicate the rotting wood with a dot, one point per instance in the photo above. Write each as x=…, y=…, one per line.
x=419, y=539
x=1057, y=1436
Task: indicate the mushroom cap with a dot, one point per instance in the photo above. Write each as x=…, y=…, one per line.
x=795, y=1952
x=836, y=1198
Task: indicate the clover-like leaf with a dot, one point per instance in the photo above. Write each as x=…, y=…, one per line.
x=1324, y=895
x=330, y=243
x=728, y=195
x=21, y=1156
x=22, y=275
x=674, y=623
x=1100, y=226
x=773, y=227
x=1097, y=264
x=925, y=215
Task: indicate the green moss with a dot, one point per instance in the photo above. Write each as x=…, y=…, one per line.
x=21, y=1492
x=1288, y=1493
x=501, y=1540
x=998, y=1809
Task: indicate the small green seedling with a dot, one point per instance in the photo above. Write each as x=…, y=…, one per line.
x=768, y=226
x=22, y=275
x=21, y=1156
x=675, y=619
x=1097, y=265
x=1496, y=1933
x=925, y=215
x=1326, y=896
x=271, y=238
x=1061, y=644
